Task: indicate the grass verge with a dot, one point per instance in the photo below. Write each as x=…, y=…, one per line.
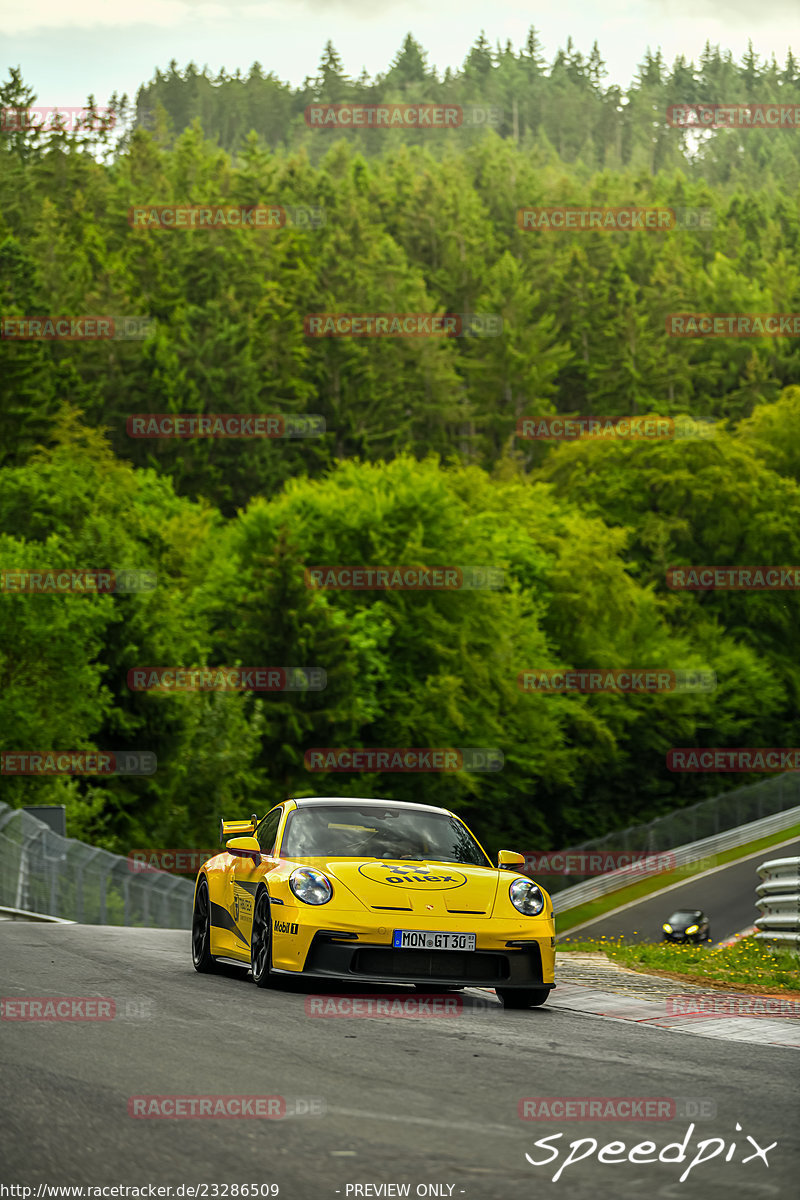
x=747, y=966
x=655, y=883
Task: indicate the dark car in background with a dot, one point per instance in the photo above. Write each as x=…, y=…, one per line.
x=687, y=925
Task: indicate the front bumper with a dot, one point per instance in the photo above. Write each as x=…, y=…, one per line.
x=517, y=966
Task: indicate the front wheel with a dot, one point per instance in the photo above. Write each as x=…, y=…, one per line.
x=202, y=958
x=261, y=942
x=522, y=997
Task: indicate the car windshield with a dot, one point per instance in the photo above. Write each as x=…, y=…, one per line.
x=684, y=918
x=375, y=832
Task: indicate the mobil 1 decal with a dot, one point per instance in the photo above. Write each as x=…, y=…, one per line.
x=419, y=876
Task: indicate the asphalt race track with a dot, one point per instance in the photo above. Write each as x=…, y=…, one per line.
x=726, y=895
x=417, y=1101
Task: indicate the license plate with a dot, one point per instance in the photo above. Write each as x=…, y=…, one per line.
x=425, y=939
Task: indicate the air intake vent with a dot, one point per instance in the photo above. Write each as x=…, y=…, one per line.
x=431, y=964
x=391, y=908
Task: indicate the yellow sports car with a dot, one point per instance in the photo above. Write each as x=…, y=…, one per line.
x=373, y=891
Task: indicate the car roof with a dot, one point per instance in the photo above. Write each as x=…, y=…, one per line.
x=311, y=801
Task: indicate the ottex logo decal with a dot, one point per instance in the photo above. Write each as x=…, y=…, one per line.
x=286, y=927
x=417, y=876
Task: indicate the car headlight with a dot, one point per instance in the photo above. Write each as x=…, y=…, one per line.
x=310, y=886
x=526, y=897
x=693, y=929
x=666, y=928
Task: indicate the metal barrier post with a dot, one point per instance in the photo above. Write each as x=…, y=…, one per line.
x=778, y=897
x=81, y=869
x=103, y=882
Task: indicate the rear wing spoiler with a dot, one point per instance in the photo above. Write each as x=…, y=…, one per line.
x=232, y=829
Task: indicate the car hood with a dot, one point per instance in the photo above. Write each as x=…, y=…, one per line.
x=427, y=887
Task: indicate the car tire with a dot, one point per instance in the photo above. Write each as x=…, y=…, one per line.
x=523, y=997
x=261, y=942
x=202, y=958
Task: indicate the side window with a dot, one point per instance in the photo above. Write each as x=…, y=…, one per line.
x=267, y=830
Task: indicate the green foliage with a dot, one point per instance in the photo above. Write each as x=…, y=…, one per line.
x=745, y=966
x=420, y=463
x=429, y=226
x=565, y=105
x=403, y=668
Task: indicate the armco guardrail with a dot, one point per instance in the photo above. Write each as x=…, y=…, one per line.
x=681, y=857
x=779, y=900
x=684, y=826
x=44, y=874
x=22, y=914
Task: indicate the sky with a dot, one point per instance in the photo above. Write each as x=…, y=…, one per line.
x=68, y=49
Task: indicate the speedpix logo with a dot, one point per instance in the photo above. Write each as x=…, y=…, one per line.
x=615, y=1153
x=286, y=927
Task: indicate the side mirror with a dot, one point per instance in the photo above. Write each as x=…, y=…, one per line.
x=509, y=860
x=244, y=847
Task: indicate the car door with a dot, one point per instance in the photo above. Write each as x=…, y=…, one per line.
x=247, y=874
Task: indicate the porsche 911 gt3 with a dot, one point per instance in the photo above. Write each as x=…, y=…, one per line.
x=373, y=891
